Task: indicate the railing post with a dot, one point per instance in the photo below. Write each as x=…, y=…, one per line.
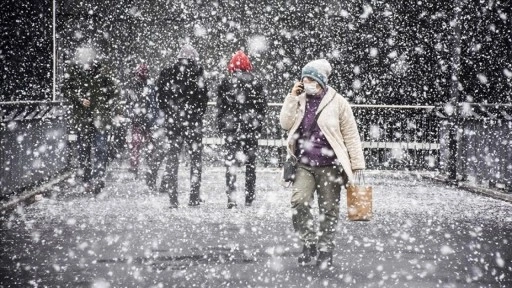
x=453, y=147
x=455, y=95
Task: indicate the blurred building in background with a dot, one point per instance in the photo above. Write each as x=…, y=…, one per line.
x=383, y=51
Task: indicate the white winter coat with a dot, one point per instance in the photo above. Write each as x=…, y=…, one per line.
x=336, y=122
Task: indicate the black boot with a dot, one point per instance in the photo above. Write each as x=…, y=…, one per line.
x=308, y=252
x=231, y=203
x=194, y=201
x=88, y=188
x=324, y=260
x=249, y=197
x=150, y=181
x=134, y=171
x=173, y=199
x=248, y=200
x=97, y=189
x=174, y=204
x=96, y=186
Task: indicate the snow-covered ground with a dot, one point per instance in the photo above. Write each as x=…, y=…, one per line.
x=422, y=235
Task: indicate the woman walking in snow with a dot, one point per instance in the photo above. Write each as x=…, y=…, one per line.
x=323, y=138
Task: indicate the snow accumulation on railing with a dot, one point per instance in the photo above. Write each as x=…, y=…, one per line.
x=30, y=102
x=30, y=110
x=63, y=103
x=360, y=105
x=381, y=127
x=365, y=144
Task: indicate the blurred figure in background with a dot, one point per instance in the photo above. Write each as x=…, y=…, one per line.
x=183, y=98
x=93, y=94
x=241, y=105
x=143, y=113
x=118, y=133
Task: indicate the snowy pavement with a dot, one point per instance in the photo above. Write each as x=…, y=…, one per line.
x=422, y=235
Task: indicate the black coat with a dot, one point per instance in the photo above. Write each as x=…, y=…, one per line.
x=142, y=105
x=98, y=86
x=182, y=94
x=241, y=105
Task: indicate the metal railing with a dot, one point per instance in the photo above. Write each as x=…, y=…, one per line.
x=34, y=140
x=398, y=137
x=35, y=135
x=30, y=110
x=481, y=147
x=33, y=143
x=393, y=136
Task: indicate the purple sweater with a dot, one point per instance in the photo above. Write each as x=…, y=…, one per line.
x=313, y=148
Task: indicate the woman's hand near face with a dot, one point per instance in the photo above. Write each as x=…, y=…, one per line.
x=86, y=102
x=298, y=88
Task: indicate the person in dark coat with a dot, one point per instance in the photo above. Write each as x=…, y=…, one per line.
x=241, y=105
x=143, y=112
x=183, y=97
x=93, y=95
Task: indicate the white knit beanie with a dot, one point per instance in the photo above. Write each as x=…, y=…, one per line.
x=85, y=55
x=188, y=52
x=319, y=70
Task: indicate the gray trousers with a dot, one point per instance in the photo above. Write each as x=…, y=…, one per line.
x=327, y=182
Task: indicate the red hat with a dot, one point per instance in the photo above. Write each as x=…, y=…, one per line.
x=239, y=62
x=142, y=71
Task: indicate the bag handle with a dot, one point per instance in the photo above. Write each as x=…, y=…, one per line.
x=360, y=178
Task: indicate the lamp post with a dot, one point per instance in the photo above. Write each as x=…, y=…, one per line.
x=54, y=37
x=454, y=118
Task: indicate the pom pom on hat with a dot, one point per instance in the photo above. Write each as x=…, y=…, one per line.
x=318, y=70
x=142, y=71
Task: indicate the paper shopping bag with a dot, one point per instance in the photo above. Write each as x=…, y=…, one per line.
x=359, y=202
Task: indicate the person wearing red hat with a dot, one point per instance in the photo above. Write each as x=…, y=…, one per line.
x=239, y=62
x=241, y=105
